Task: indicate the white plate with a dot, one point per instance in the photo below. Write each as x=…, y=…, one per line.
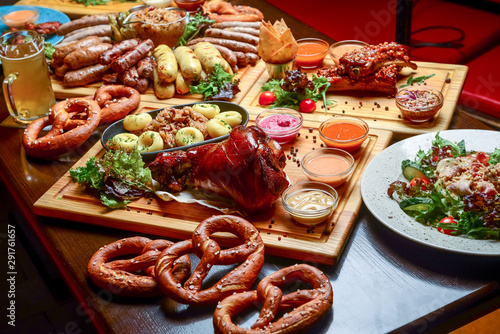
x=385, y=168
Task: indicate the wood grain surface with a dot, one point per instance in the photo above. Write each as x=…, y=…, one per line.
x=382, y=282
x=388, y=116
x=248, y=76
x=281, y=234
x=75, y=9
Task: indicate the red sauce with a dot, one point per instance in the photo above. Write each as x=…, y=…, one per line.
x=347, y=136
x=189, y=5
x=310, y=55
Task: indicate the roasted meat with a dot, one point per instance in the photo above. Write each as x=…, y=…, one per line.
x=247, y=167
x=372, y=68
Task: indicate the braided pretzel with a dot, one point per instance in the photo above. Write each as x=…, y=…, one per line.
x=56, y=141
x=307, y=305
x=116, y=101
x=210, y=254
x=119, y=276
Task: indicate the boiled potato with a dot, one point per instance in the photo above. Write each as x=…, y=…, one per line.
x=150, y=141
x=209, y=110
x=123, y=141
x=217, y=127
x=187, y=136
x=232, y=118
x=137, y=122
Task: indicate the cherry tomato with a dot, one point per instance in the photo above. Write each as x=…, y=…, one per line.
x=446, y=220
x=423, y=181
x=307, y=105
x=267, y=98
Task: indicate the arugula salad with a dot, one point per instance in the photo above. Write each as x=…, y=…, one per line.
x=455, y=191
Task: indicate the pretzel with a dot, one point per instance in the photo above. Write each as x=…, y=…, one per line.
x=116, y=101
x=57, y=141
x=119, y=276
x=251, y=253
x=306, y=306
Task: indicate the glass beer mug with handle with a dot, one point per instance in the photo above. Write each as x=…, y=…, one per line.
x=27, y=88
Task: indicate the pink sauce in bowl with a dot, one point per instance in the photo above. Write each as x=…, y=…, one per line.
x=281, y=124
x=328, y=165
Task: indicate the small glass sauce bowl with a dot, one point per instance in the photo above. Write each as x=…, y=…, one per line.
x=344, y=132
x=189, y=5
x=418, y=103
x=337, y=50
x=18, y=16
x=311, y=53
x=328, y=165
x=281, y=124
x=310, y=203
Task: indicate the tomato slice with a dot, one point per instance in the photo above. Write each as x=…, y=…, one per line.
x=267, y=98
x=421, y=181
x=446, y=220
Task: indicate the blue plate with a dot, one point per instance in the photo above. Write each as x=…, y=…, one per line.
x=46, y=15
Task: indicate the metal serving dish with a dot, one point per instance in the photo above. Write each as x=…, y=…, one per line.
x=117, y=127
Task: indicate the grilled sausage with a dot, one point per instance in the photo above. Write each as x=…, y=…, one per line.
x=86, y=75
x=232, y=35
x=145, y=67
x=189, y=64
x=209, y=56
x=86, y=56
x=118, y=49
x=131, y=57
x=59, y=54
x=167, y=64
x=86, y=21
x=230, y=44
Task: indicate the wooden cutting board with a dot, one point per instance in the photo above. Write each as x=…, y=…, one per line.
x=248, y=76
x=388, y=116
x=75, y=10
x=281, y=235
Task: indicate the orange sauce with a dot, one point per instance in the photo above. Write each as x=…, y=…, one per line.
x=310, y=55
x=20, y=16
x=330, y=166
x=347, y=136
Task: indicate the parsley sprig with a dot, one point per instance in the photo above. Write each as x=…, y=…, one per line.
x=418, y=80
x=296, y=87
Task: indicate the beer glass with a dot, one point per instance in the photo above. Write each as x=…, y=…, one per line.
x=27, y=88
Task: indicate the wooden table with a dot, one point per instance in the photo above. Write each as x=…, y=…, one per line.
x=383, y=283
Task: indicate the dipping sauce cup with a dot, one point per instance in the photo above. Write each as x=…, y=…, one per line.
x=18, y=16
x=27, y=87
x=418, y=103
x=310, y=203
x=344, y=132
x=338, y=49
x=328, y=165
x=281, y=124
x=189, y=5
x=311, y=53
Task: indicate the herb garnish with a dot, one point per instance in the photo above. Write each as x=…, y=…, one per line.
x=193, y=27
x=116, y=178
x=417, y=80
x=218, y=85
x=296, y=87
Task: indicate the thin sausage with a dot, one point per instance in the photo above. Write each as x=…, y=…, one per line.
x=86, y=75
x=227, y=24
x=230, y=44
x=129, y=77
x=86, y=21
x=246, y=30
x=233, y=35
x=101, y=30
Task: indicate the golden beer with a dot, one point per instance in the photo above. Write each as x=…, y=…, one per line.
x=27, y=88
